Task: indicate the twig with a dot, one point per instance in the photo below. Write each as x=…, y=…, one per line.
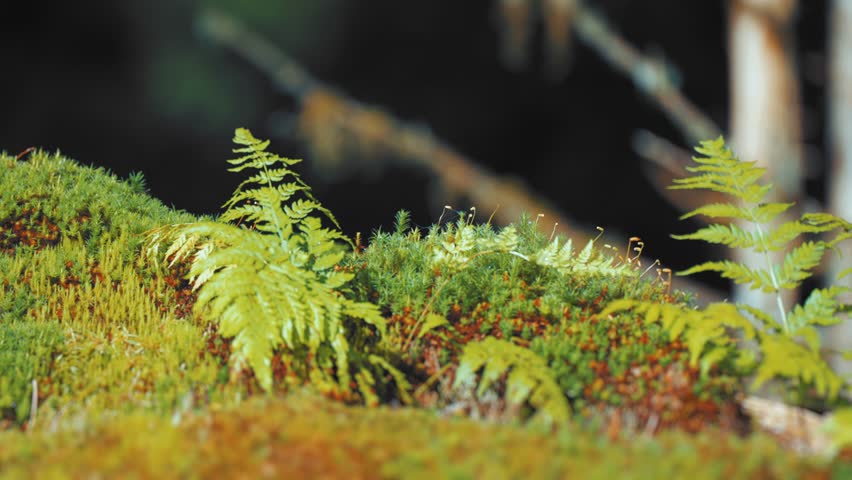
x=287, y=74
x=33, y=405
x=660, y=151
x=329, y=118
x=651, y=76
x=458, y=175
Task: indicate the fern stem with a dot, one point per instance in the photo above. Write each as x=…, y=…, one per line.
x=274, y=217
x=779, y=301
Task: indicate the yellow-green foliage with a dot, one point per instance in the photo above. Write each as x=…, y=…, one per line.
x=462, y=284
x=83, y=326
x=305, y=436
x=721, y=171
x=789, y=343
x=55, y=197
x=270, y=281
x=120, y=348
x=125, y=388
x=705, y=332
x=464, y=265
x=26, y=350
x=459, y=243
x=528, y=380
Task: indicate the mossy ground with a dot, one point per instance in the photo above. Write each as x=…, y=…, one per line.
x=106, y=369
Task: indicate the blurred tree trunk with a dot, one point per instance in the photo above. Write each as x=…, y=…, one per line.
x=765, y=113
x=839, y=104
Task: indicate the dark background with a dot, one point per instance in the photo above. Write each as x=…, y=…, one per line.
x=131, y=86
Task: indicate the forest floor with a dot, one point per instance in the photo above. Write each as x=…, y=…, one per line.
x=107, y=370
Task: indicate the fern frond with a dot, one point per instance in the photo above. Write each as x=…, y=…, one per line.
x=588, y=260
x=529, y=378
x=838, y=426
x=722, y=172
x=764, y=213
x=703, y=331
x=458, y=247
x=827, y=222
x=402, y=384
x=273, y=285
x=764, y=318
x=505, y=241
x=783, y=357
x=780, y=237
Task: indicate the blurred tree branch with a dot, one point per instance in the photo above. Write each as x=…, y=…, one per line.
x=652, y=76
x=333, y=123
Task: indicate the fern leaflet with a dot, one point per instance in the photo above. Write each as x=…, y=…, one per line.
x=529, y=378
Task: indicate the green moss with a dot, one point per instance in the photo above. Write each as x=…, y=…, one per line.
x=304, y=436
x=81, y=317
x=503, y=325
x=26, y=352
x=50, y=197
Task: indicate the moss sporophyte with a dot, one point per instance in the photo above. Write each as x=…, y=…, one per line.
x=560, y=344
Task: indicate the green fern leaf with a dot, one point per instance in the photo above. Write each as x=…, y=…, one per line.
x=758, y=279
x=781, y=237
x=402, y=384
x=703, y=331
x=272, y=285
x=783, y=357
x=433, y=321
x=730, y=235
x=718, y=210
x=764, y=213
x=529, y=378
x=797, y=264
x=820, y=308
x=506, y=241
x=767, y=320
x=721, y=171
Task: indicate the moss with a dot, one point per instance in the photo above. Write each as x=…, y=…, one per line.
x=26, y=351
x=303, y=436
x=616, y=368
x=131, y=382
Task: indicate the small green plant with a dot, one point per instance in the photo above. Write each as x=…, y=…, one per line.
x=26, y=351
x=721, y=171
x=270, y=281
x=789, y=342
x=529, y=378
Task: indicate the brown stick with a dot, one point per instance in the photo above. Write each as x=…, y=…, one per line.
x=651, y=76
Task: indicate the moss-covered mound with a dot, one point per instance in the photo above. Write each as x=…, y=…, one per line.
x=106, y=367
